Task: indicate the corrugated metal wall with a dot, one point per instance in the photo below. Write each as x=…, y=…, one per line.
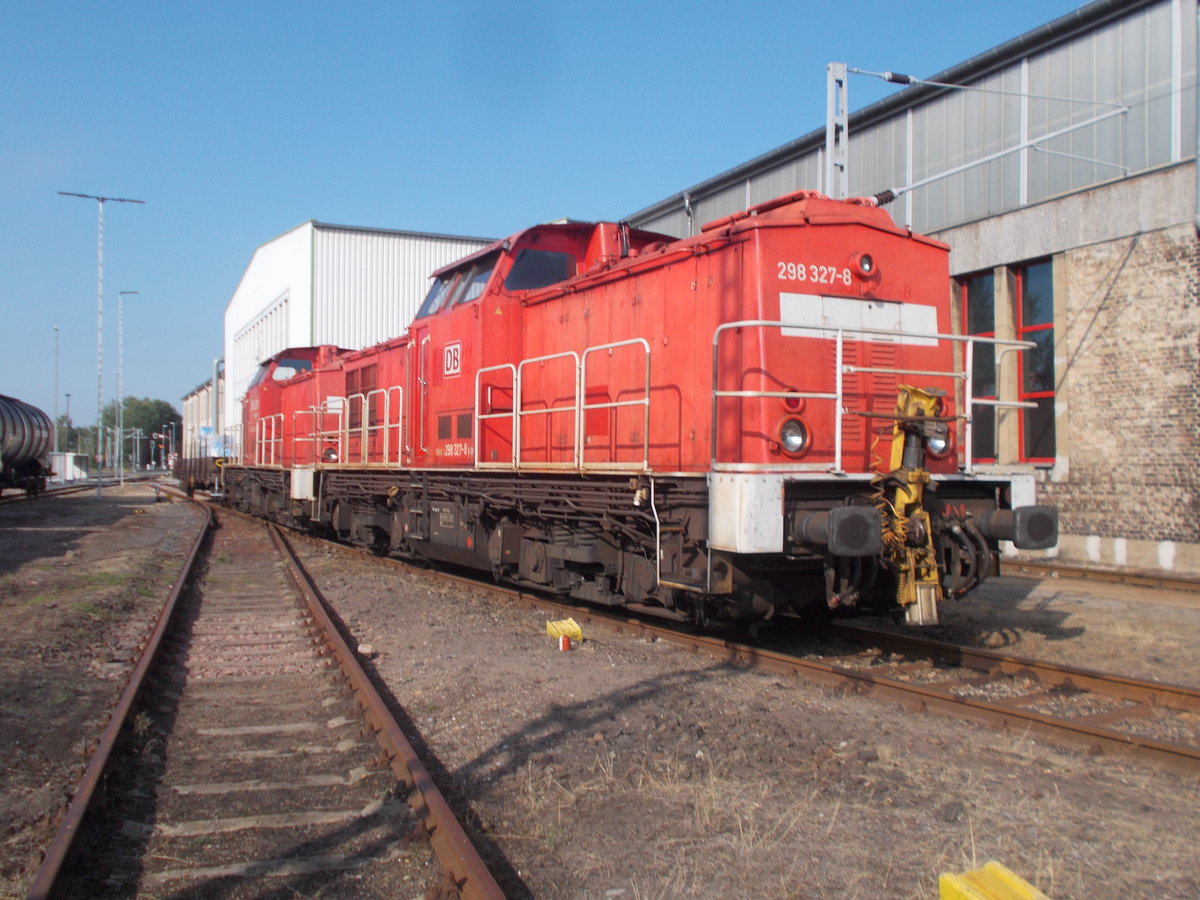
x=328, y=284
x=198, y=435
x=261, y=338
x=1145, y=59
x=269, y=310
x=793, y=175
x=367, y=285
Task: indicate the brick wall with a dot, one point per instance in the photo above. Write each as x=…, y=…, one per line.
x=1127, y=336
x=1127, y=368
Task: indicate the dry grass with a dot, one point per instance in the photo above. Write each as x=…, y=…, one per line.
x=664, y=776
x=726, y=831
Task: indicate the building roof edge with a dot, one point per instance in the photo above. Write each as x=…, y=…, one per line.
x=1041, y=38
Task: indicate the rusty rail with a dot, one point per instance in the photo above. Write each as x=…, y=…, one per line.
x=1133, y=577
x=66, y=844
x=466, y=873
x=1157, y=694
x=50, y=492
x=1180, y=757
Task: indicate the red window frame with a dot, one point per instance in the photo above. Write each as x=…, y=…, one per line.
x=964, y=286
x=1043, y=355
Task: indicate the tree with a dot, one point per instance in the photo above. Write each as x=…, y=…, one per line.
x=69, y=436
x=153, y=417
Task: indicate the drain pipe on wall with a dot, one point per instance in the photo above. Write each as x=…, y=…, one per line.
x=214, y=404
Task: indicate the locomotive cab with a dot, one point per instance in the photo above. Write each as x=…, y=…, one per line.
x=471, y=331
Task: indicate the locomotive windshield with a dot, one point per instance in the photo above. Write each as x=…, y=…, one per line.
x=436, y=297
x=287, y=368
x=460, y=286
x=474, y=281
x=531, y=269
x=284, y=369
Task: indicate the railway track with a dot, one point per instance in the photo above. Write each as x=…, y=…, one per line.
x=1157, y=722
x=1154, y=719
x=79, y=487
x=250, y=755
x=1108, y=576
x=1103, y=712
x=57, y=491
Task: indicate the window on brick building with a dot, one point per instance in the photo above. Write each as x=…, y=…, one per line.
x=1024, y=311
x=979, y=315
x=1034, y=296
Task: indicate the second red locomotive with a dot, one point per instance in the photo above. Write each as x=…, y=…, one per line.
x=762, y=416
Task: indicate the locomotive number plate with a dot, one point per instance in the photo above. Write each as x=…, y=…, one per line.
x=813, y=273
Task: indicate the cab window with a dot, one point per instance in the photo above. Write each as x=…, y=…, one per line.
x=534, y=269
x=285, y=368
x=474, y=281
x=436, y=298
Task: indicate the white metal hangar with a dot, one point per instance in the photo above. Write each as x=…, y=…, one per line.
x=1061, y=168
x=328, y=284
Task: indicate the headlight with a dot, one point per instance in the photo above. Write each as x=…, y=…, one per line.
x=793, y=437
x=938, y=443
x=864, y=265
x=330, y=455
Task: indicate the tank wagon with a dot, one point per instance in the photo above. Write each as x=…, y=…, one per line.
x=764, y=416
x=26, y=436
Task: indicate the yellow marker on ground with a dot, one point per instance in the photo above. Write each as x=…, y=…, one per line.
x=568, y=627
x=992, y=882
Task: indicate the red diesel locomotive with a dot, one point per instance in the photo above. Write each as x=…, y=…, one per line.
x=763, y=416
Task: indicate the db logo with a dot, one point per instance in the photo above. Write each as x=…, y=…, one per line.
x=453, y=358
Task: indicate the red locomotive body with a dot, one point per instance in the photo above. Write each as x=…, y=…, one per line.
x=727, y=425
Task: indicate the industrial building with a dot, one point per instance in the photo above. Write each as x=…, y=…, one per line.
x=326, y=284
x=1061, y=168
x=201, y=411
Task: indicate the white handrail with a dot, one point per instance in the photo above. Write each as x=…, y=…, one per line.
x=841, y=334
x=387, y=426
x=518, y=414
x=549, y=410
x=484, y=417
x=268, y=439
x=644, y=464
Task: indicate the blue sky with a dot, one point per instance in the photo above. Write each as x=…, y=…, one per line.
x=236, y=121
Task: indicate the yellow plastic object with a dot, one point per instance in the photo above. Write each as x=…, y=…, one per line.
x=992, y=882
x=569, y=627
